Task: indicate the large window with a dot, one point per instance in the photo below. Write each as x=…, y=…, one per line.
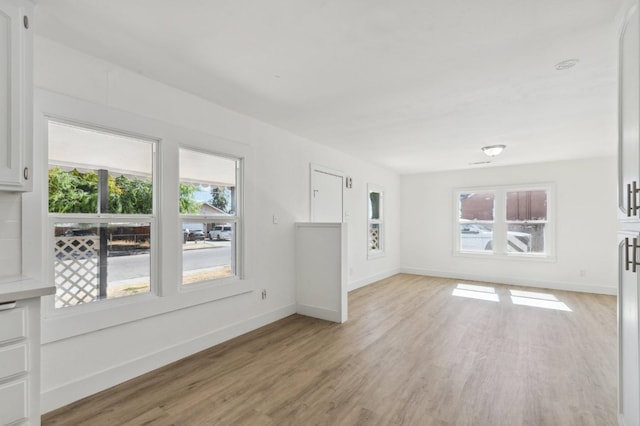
x=504, y=221
x=101, y=213
x=126, y=220
x=209, y=214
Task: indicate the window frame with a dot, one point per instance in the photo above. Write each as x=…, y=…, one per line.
x=105, y=218
x=475, y=222
x=500, y=223
x=527, y=222
x=236, y=220
x=60, y=324
x=380, y=252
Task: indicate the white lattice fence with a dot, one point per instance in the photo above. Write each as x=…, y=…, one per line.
x=374, y=236
x=76, y=270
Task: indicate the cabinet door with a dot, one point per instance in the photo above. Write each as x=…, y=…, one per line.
x=15, y=102
x=628, y=362
x=628, y=116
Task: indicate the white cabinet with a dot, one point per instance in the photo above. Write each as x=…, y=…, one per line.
x=628, y=113
x=629, y=221
x=16, y=95
x=628, y=327
x=20, y=350
x=20, y=362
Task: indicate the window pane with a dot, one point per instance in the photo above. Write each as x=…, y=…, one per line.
x=80, y=157
x=477, y=206
x=525, y=238
x=207, y=184
x=476, y=237
x=374, y=236
x=527, y=205
x=100, y=261
x=208, y=255
x=374, y=205
x=208, y=187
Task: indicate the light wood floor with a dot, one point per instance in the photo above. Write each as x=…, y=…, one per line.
x=411, y=353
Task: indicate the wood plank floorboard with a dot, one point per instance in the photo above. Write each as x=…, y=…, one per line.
x=416, y=351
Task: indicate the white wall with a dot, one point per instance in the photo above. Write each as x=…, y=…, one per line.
x=78, y=366
x=10, y=235
x=585, y=227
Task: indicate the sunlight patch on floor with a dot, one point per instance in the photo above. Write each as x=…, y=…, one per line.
x=476, y=292
x=538, y=300
x=518, y=297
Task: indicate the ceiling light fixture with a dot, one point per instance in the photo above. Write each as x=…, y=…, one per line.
x=493, y=150
x=565, y=65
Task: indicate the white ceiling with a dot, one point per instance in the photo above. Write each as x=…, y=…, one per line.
x=413, y=85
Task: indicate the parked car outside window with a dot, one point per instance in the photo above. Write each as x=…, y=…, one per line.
x=221, y=232
x=474, y=237
x=196, y=235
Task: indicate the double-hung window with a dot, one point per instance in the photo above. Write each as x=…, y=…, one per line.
x=210, y=206
x=101, y=207
x=476, y=221
x=126, y=220
x=526, y=218
x=509, y=221
x=375, y=222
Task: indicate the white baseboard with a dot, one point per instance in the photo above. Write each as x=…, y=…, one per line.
x=372, y=279
x=101, y=380
x=321, y=313
x=555, y=285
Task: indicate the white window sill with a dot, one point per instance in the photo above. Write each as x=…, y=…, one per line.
x=376, y=254
x=531, y=257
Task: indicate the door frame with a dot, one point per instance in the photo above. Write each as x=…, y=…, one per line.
x=322, y=169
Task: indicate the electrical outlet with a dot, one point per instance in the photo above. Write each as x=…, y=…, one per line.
x=583, y=273
x=275, y=219
x=264, y=294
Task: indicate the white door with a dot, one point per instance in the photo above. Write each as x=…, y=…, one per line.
x=629, y=371
x=326, y=196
